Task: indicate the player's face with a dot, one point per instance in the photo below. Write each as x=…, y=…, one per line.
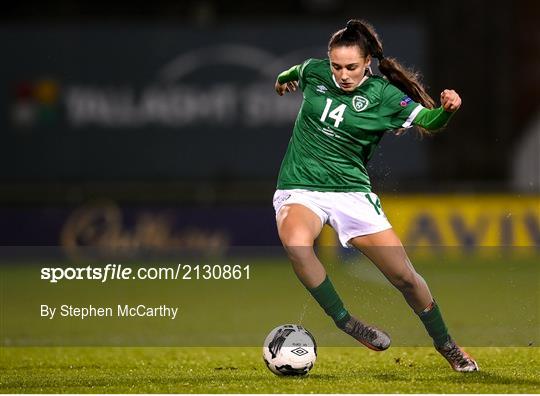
x=348, y=66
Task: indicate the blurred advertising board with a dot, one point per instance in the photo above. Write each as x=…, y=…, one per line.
x=431, y=220
x=466, y=220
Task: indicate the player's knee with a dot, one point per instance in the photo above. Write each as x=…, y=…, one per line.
x=295, y=238
x=292, y=236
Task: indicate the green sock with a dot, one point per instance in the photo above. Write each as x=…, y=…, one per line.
x=328, y=299
x=434, y=323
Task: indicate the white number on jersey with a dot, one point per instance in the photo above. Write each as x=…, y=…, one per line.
x=336, y=114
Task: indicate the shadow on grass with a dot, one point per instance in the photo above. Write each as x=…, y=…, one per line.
x=391, y=377
x=486, y=377
x=481, y=377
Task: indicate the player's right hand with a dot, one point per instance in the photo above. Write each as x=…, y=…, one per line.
x=287, y=87
x=450, y=100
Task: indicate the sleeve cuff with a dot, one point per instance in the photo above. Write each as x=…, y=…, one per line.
x=408, y=122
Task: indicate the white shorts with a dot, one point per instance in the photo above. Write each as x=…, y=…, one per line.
x=351, y=214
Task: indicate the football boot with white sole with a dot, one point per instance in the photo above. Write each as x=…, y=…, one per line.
x=459, y=359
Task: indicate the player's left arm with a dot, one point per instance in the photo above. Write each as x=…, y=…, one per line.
x=434, y=119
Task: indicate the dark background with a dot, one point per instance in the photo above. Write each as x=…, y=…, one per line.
x=489, y=53
x=76, y=80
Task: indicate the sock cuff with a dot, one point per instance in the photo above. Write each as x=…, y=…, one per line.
x=343, y=320
x=430, y=308
x=315, y=290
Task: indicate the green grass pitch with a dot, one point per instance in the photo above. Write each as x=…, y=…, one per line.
x=241, y=370
x=491, y=302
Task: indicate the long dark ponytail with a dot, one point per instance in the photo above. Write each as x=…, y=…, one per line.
x=364, y=35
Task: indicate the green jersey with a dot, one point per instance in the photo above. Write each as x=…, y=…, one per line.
x=336, y=132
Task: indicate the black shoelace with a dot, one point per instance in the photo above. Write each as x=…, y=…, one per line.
x=364, y=332
x=457, y=355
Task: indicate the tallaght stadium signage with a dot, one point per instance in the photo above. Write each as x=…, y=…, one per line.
x=220, y=85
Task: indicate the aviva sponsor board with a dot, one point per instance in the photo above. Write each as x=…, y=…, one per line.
x=469, y=221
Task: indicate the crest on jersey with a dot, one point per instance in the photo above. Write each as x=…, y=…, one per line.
x=360, y=103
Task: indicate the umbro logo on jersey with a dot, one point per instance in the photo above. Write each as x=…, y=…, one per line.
x=321, y=88
x=360, y=103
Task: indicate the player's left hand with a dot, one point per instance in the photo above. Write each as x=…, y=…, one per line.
x=450, y=100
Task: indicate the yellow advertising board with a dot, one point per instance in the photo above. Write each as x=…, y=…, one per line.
x=461, y=220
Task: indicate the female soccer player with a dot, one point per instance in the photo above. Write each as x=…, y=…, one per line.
x=323, y=178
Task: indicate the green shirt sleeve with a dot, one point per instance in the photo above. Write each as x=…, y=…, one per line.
x=293, y=74
x=432, y=119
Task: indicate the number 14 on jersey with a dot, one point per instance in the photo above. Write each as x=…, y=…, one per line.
x=336, y=114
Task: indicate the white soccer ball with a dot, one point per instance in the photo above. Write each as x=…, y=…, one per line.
x=289, y=350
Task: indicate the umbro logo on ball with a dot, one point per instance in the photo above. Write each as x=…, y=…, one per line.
x=299, y=351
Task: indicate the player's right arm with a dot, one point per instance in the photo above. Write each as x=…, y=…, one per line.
x=435, y=119
x=287, y=81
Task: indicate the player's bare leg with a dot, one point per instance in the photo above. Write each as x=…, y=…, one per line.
x=298, y=227
x=385, y=250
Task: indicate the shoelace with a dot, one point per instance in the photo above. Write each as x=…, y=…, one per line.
x=456, y=354
x=365, y=332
